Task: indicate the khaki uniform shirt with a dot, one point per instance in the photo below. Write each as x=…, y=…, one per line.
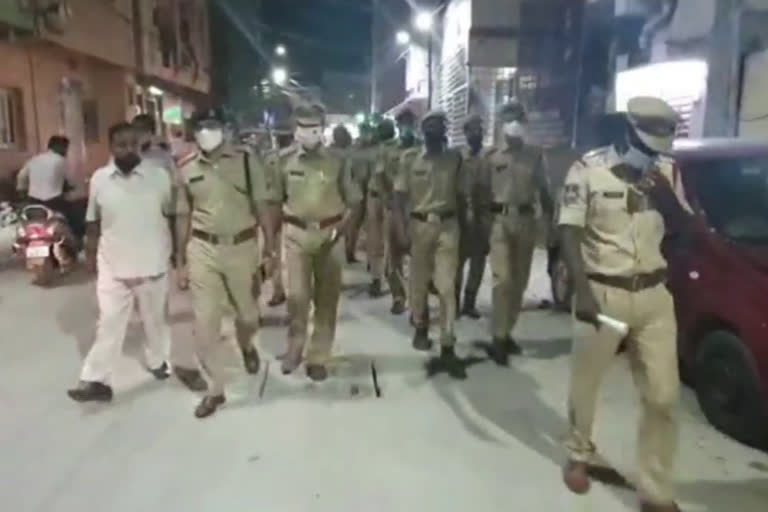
x=512, y=178
x=387, y=159
x=623, y=232
x=315, y=185
x=216, y=192
x=476, y=168
x=433, y=183
x=362, y=160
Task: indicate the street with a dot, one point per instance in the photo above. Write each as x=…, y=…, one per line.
x=282, y=444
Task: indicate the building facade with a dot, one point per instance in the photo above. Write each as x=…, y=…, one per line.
x=75, y=67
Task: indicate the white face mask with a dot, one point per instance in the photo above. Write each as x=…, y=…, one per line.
x=310, y=137
x=514, y=129
x=209, y=139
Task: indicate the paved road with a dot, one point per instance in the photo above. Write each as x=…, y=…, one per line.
x=486, y=445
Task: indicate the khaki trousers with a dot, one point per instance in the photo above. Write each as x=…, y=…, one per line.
x=474, y=246
x=434, y=256
x=375, y=236
x=221, y=278
x=394, y=258
x=314, y=267
x=277, y=272
x=652, y=349
x=511, y=251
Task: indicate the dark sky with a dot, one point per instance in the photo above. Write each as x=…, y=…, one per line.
x=320, y=34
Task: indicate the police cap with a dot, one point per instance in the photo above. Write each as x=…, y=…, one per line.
x=435, y=114
x=310, y=115
x=654, y=122
x=473, y=120
x=405, y=116
x=215, y=115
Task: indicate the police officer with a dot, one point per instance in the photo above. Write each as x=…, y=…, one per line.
x=518, y=181
x=389, y=259
x=217, y=225
x=617, y=203
x=431, y=180
x=475, y=230
x=362, y=161
x=319, y=197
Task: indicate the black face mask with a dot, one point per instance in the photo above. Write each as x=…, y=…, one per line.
x=128, y=162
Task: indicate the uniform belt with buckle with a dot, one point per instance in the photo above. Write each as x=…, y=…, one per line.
x=315, y=225
x=433, y=217
x=503, y=209
x=635, y=283
x=237, y=238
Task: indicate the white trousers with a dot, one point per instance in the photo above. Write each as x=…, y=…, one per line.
x=116, y=304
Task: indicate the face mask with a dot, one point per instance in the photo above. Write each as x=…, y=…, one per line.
x=208, y=139
x=636, y=159
x=309, y=137
x=127, y=163
x=514, y=129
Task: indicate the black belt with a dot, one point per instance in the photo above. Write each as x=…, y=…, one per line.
x=238, y=238
x=430, y=217
x=321, y=224
x=503, y=209
x=634, y=283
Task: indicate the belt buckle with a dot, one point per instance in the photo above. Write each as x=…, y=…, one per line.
x=433, y=218
x=635, y=282
x=226, y=239
x=315, y=226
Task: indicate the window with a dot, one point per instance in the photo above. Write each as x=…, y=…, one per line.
x=10, y=107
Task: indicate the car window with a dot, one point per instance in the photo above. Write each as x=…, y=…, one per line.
x=733, y=194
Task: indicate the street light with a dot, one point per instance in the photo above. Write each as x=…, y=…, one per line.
x=279, y=76
x=280, y=50
x=403, y=37
x=423, y=21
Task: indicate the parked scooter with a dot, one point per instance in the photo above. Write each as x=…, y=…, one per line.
x=46, y=242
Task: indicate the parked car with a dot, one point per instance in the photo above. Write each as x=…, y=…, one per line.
x=719, y=279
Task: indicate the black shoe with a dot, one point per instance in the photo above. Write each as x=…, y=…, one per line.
x=251, y=359
x=452, y=364
x=421, y=339
x=277, y=300
x=208, y=405
x=513, y=348
x=191, y=378
x=432, y=288
x=374, y=289
x=351, y=259
x=471, y=311
x=317, y=372
x=398, y=307
x=498, y=351
x=162, y=372
x=91, y=392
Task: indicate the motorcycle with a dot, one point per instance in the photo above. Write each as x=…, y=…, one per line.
x=46, y=242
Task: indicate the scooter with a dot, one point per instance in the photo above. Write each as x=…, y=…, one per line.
x=46, y=242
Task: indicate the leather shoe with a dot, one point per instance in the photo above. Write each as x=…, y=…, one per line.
x=452, y=364
x=655, y=507
x=317, y=372
x=470, y=311
x=191, y=378
x=398, y=307
x=513, y=348
x=498, y=351
x=421, y=339
x=575, y=477
x=91, y=392
x=162, y=372
x=251, y=359
x=374, y=289
x=208, y=405
x=276, y=300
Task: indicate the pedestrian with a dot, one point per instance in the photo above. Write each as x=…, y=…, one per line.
x=617, y=204
x=386, y=248
x=155, y=153
x=476, y=228
x=319, y=197
x=129, y=246
x=217, y=228
x=518, y=183
x=362, y=162
x=430, y=180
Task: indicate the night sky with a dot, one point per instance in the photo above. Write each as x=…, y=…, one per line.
x=320, y=34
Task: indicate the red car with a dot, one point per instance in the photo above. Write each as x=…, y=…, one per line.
x=719, y=278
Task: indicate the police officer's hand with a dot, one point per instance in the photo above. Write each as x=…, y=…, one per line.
x=182, y=277
x=586, y=306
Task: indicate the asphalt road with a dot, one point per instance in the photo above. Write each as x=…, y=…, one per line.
x=282, y=444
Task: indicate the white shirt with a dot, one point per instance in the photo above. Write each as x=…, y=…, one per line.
x=135, y=237
x=43, y=176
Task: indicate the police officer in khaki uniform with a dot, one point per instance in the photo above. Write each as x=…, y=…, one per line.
x=431, y=181
x=476, y=228
x=518, y=181
x=377, y=225
x=362, y=157
x=217, y=225
x=319, y=197
x=617, y=204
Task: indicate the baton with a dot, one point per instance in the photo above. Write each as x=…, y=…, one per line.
x=613, y=324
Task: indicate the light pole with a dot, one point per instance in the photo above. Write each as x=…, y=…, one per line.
x=423, y=22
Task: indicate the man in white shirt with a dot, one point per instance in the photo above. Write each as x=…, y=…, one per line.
x=129, y=243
